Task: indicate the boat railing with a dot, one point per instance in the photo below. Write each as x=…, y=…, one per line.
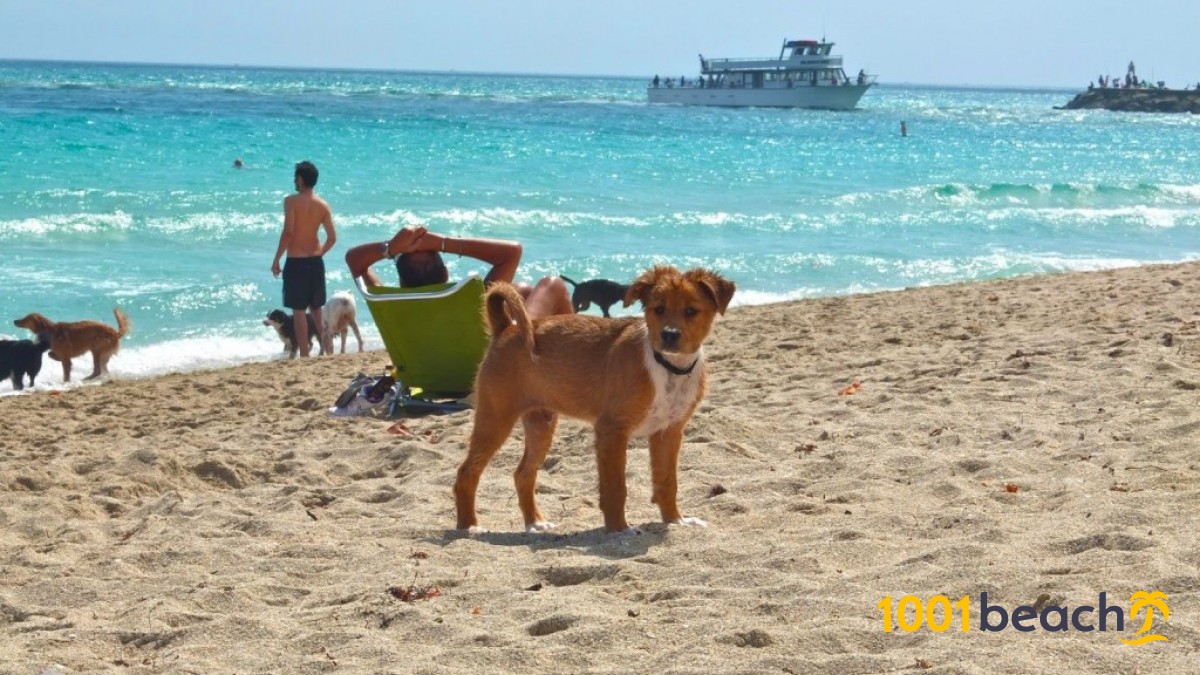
x=794, y=63
x=725, y=65
x=695, y=83
x=721, y=62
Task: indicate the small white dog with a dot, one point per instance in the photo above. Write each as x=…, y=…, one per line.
x=341, y=316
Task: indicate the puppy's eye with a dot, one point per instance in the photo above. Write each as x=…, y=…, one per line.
x=689, y=312
x=660, y=310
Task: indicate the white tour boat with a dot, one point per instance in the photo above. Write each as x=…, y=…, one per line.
x=805, y=75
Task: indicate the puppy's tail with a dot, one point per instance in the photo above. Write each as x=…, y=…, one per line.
x=568, y=279
x=504, y=310
x=123, y=324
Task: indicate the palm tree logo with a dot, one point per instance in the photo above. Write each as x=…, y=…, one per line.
x=1147, y=601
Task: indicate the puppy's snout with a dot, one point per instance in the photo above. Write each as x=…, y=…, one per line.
x=670, y=336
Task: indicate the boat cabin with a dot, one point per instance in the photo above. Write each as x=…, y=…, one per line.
x=800, y=63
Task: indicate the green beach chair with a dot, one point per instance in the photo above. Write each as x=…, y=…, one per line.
x=433, y=334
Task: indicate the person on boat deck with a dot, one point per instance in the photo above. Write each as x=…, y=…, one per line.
x=656, y=82
x=862, y=76
x=417, y=253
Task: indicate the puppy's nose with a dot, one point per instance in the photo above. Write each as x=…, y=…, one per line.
x=670, y=336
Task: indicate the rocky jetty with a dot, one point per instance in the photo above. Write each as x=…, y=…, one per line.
x=1137, y=100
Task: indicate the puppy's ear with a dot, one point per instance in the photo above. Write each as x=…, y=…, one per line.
x=639, y=290
x=714, y=285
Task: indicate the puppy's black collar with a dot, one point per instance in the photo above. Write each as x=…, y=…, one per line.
x=672, y=368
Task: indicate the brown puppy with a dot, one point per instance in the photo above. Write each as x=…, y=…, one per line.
x=69, y=339
x=631, y=378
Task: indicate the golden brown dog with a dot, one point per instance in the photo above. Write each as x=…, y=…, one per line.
x=631, y=378
x=69, y=339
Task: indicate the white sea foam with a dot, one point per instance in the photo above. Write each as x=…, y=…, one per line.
x=752, y=297
x=1187, y=193
x=70, y=223
x=215, y=224
x=177, y=356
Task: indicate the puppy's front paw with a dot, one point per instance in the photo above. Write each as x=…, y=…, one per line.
x=689, y=521
x=539, y=526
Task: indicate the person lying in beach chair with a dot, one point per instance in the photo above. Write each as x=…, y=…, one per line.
x=432, y=327
x=432, y=333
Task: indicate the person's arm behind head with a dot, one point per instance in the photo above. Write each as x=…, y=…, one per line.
x=504, y=256
x=360, y=258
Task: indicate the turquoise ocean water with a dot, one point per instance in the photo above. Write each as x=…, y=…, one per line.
x=118, y=189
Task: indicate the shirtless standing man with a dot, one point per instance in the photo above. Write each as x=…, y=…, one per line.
x=304, y=272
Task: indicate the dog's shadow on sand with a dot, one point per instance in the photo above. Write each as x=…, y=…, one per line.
x=615, y=546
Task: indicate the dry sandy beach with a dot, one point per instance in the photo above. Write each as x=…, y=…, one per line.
x=1036, y=438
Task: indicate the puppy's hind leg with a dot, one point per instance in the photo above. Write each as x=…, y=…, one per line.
x=539, y=433
x=493, y=424
x=357, y=336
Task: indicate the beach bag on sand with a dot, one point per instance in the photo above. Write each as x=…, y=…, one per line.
x=357, y=398
x=369, y=395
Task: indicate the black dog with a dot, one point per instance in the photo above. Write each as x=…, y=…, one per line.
x=603, y=292
x=19, y=358
x=281, y=321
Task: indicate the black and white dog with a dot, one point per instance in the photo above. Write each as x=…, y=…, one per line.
x=281, y=321
x=19, y=358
